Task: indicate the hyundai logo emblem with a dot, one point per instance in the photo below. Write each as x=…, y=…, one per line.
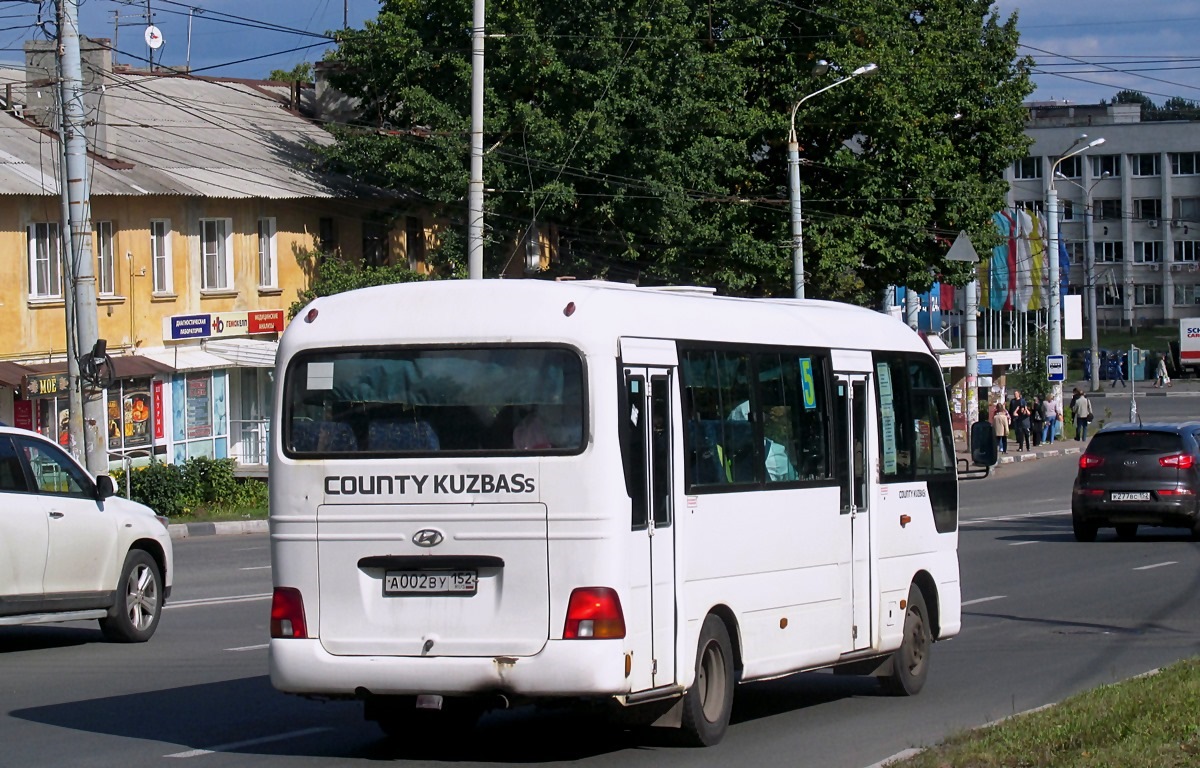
x=428, y=537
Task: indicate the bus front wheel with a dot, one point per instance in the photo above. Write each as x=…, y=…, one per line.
x=910, y=663
x=709, y=702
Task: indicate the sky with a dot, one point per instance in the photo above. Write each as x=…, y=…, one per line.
x=1084, y=50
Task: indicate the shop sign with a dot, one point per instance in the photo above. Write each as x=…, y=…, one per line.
x=46, y=385
x=220, y=324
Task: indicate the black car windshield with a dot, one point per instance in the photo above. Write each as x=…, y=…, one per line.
x=1110, y=443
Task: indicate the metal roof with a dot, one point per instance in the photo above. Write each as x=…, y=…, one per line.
x=180, y=135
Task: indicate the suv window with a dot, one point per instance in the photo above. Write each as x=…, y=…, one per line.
x=1111, y=443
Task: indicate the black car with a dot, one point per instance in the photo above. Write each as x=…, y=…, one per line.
x=1138, y=474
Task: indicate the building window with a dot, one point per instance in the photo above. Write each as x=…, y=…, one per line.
x=1144, y=165
x=160, y=250
x=1147, y=252
x=1076, y=251
x=1186, y=210
x=106, y=267
x=327, y=234
x=1187, y=295
x=1107, y=208
x=1185, y=163
x=1028, y=168
x=216, y=255
x=1147, y=208
x=1187, y=250
x=414, y=241
x=1110, y=251
x=374, y=244
x=45, y=261
x=1109, y=295
x=1066, y=210
x=1032, y=206
x=1072, y=167
x=268, y=272
x=1102, y=164
x=1147, y=295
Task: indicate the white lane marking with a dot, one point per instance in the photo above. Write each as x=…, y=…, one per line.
x=1022, y=543
x=1007, y=518
x=249, y=742
x=256, y=568
x=1156, y=565
x=218, y=600
x=250, y=647
x=978, y=600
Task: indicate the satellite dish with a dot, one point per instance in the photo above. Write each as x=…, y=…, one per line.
x=154, y=37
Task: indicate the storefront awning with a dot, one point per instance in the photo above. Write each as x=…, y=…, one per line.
x=124, y=367
x=247, y=353
x=11, y=374
x=185, y=358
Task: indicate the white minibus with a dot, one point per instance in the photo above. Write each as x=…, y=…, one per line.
x=492, y=492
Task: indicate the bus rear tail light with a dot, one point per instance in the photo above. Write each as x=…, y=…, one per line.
x=287, y=614
x=1178, y=460
x=1090, y=461
x=594, y=613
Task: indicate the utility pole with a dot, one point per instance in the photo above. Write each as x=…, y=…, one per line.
x=475, y=187
x=79, y=215
x=75, y=389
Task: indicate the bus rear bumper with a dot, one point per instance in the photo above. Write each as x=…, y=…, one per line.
x=564, y=668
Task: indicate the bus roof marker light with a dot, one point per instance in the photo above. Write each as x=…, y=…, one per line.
x=569, y=309
x=310, y=315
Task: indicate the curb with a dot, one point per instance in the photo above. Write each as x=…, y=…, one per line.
x=1033, y=455
x=189, y=530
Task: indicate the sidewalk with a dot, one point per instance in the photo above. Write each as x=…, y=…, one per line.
x=190, y=530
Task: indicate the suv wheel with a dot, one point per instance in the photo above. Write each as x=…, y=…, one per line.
x=1084, y=531
x=134, y=616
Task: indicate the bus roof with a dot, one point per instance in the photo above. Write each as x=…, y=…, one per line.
x=588, y=313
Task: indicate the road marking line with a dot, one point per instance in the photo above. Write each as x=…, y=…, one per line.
x=978, y=600
x=250, y=647
x=1156, y=565
x=256, y=568
x=1020, y=543
x=1007, y=518
x=249, y=743
x=218, y=600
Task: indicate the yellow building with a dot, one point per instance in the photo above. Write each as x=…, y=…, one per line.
x=206, y=214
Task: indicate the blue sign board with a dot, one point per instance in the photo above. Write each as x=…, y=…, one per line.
x=191, y=326
x=985, y=366
x=1056, y=367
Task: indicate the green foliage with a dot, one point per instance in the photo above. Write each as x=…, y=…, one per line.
x=652, y=134
x=1174, y=108
x=1031, y=377
x=301, y=73
x=329, y=275
x=179, y=490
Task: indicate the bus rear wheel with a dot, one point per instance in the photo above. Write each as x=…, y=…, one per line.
x=910, y=663
x=709, y=702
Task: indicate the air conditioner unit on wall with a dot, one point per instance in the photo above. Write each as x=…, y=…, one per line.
x=1154, y=267
x=1152, y=223
x=1176, y=223
x=1193, y=267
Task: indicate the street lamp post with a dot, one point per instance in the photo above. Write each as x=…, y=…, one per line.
x=1089, y=274
x=1056, y=269
x=794, y=182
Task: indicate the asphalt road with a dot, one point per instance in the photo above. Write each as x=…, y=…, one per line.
x=1045, y=617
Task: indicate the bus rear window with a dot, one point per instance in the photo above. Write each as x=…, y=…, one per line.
x=496, y=400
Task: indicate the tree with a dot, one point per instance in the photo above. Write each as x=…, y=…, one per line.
x=652, y=133
x=301, y=73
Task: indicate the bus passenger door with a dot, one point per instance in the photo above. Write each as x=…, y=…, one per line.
x=649, y=409
x=853, y=434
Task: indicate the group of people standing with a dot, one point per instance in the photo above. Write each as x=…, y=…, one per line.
x=1036, y=422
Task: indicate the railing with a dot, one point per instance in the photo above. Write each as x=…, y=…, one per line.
x=250, y=436
x=126, y=458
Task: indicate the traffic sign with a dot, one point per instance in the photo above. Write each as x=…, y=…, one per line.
x=1056, y=367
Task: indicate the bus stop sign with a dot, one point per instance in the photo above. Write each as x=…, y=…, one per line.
x=1056, y=368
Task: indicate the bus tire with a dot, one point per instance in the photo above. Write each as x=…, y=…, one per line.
x=709, y=702
x=910, y=662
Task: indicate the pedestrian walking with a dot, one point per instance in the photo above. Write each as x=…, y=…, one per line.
x=1115, y=373
x=1049, y=420
x=1161, y=377
x=1021, y=425
x=1081, y=407
x=1037, y=421
x=1000, y=425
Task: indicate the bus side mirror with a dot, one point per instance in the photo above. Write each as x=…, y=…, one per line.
x=983, y=444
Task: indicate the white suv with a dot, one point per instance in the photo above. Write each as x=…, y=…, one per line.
x=71, y=550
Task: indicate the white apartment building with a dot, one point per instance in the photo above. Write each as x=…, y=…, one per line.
x=1141, y=188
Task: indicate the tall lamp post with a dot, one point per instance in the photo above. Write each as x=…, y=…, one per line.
x=1089, y=274
x=794, y=182
x=1056, y=270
